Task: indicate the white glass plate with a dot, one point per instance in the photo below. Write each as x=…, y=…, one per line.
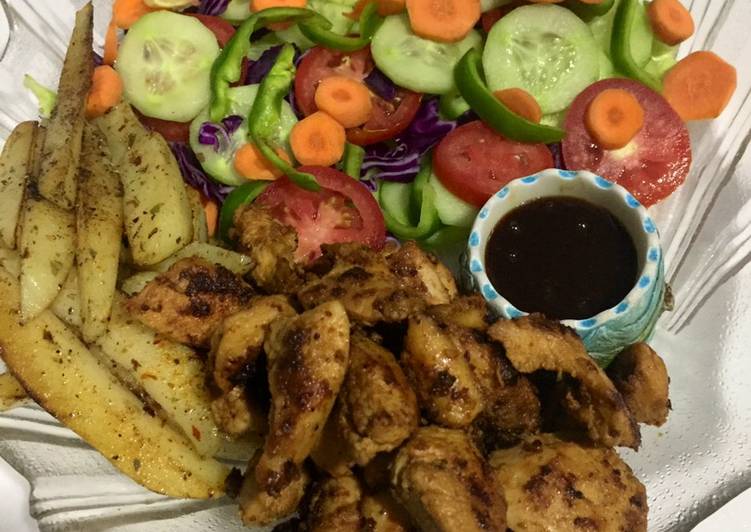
x=691, y=466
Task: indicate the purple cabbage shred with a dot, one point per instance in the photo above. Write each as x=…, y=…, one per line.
x=212, y=7
x=557, y=152
x=381, y=85
x=232, y=123
x=194, y=175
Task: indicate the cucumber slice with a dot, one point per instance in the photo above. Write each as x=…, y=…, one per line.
x=452, y=210
x=220, y=163
x=487, y=5
x=394, y=198
x=334, y=10
x=164, y=61
x=554, y=119
x=664, y=57
x=415, y=63
x=452, y=105
x=642, y=36
x=544, y=49
x=237, y=11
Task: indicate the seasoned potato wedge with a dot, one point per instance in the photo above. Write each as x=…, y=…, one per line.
x=158, y=218
x=47, y=248
x=99, y=219
x=11, y=392
x=62, y=144
x=121, y=128
x=200, y=227
x=170, y=373
x=51, y=363
x=15, y=165
x=67, y=304
x=135, y=283
x=233, y=261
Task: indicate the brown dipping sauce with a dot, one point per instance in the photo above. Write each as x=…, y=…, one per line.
x=562, y=256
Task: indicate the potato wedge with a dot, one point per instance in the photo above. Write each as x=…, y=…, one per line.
x=99, y=219
x=233, y=261
x=135, y=283
x=171, y=374
x=47, y=248
x=120, y=127
x=200, y=227
x=15, y=166
x=12, y=393
x=51, y=364
x=67, y=304
x=62, y=145
x=158, y=219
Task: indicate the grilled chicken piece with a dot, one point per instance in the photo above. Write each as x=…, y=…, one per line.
x=446, y=485
x=375, y=412
x=551, y=484
x=466, y=311
x=335, y=506
x=442, y=377
x=308, y=357
x=235, y=414
x=535, y=343
x=271, y=245
x=238, y=342
x=258, y=507
x=189, y=301
x=423, y=273
x=361, y=279
x=642, y=378
x=381, y=513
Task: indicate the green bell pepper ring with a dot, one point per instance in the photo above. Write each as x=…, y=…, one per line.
x=469, y=80
x=354, y=156
x=620, y=45
x=227, y=67
x=265, y=116
x=451, y=105
x=423, y=202
x=239, y=197
x=322, y=35
x=589, y=11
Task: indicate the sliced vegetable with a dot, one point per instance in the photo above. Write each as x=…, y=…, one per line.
x=211, y=212
x=474, y=162
x=452, y=105
x=318, y=140
x=652, y=165
x=106, y=91
x=487, y=5
x=236, y=11
x=621, y=48
x=390, y=116
x=452, y=210
x=353, y=158
x=642, y=37
x=589, y=9
x=427, y=218
x=343, y=210
x=222, y=30
x=109, y=54
x=443, y=20
x=394, y=199
x=346, y=100
x=125, y=13
x=260, y=5
x=671, y=22
x=385, y=7
x=217, y=153
x=613, y=118
x=46, y=98
x=251, y=164
x=544, y=49
x=164, y=61
x=521, y=103
x=242, y=195
x=700, y=86
x=494, y=112
x=265, y=116
x=415, y=63
x=323, y=35
x=489, y=18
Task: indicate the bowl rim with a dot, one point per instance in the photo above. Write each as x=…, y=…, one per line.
x=648, y=276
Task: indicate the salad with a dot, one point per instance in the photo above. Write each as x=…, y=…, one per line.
x=431, y=109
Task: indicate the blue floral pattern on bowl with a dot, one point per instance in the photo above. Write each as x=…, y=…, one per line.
x=633, y=319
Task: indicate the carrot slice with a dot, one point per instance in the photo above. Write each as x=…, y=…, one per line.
x=347, y=100
x=700, y=86
x=211, y=210
x=520, y=102
x=251, y=164
x=260, y=5
x=125, y=13
x=671, y=22
x=106, y=91
x=110, y=44
x=443, y=20
x=318, y=140
x=385, y=8
x=613, y=118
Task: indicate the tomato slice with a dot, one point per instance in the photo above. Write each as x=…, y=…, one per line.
x=342, y=211
x=223, y=30
x=389, y=118
x=652, y=165
x=474, y=162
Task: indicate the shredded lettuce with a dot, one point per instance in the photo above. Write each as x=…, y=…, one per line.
x=47, y=98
